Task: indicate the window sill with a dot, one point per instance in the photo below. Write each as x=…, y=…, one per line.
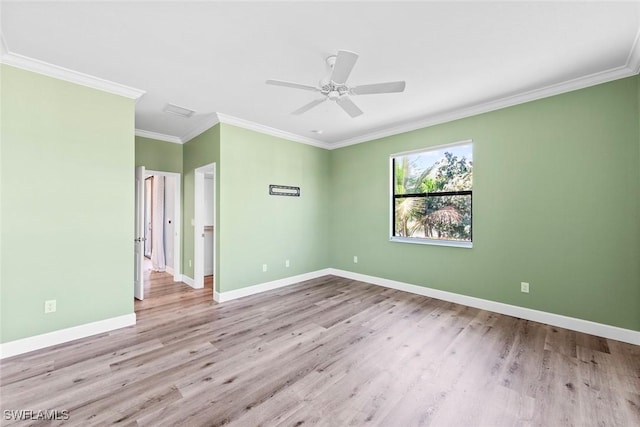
x=433, y=242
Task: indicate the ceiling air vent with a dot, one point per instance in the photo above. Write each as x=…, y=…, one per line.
x=177, y=110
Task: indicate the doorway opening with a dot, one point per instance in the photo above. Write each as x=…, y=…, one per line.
x=160, y=222
x=204, y=266
x=158, y=229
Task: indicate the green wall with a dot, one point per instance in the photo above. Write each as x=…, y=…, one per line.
x=556, y=203
x=67, y=204
x=256, y=228
x=158, y=155
x=200, y=151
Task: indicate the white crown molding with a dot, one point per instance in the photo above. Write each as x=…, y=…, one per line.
x=632, y=67
x=159, y=136
x=246, y=124
x=25, y=345
x=3, y=45
x=485, y=107
x=202, y=126
x=580, y=325
x=633, y=61
x=41, y=67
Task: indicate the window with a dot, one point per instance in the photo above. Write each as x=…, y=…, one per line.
x=432, y=195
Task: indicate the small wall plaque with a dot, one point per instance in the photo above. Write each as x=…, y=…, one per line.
x=284, y=190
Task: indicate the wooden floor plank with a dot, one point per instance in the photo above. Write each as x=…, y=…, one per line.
x=327, y=352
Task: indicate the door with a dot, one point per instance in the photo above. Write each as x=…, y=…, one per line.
x=138, y=243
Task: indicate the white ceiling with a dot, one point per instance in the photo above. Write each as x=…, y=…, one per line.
x=214, y=57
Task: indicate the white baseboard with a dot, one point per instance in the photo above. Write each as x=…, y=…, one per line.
x=168, y=270
x=188, y=280
x=25, y=345
x=267, y=286
x=178, y=277
x=580, y=325
x=191, y=282
x=13, y=348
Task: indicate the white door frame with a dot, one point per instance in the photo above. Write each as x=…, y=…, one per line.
x=198, y=224
x=138, y=238
x=177, y=223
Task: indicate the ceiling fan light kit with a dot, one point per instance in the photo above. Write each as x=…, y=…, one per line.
x=334, y=87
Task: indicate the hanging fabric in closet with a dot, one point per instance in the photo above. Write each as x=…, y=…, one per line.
x=157, y=248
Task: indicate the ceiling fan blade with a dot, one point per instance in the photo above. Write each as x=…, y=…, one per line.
x=292, y=85
x=388, y=87
x=343, y=66
x=309, y=106
x=348, y=106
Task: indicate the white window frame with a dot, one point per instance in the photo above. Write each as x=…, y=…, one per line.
x=420, y=240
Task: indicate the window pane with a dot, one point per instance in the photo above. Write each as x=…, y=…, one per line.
x=443, y=169
x=433, y=217
x=420, y=180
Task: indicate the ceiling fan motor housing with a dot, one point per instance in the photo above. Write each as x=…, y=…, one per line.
x=333, y=91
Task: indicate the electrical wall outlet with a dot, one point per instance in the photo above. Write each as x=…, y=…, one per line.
x=190, y=263
x=287, y=263
x=264, y=267
x=524, y=287
x=355, y=259
x=50, y=306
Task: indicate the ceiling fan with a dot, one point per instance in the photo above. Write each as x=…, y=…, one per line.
x=334, y=86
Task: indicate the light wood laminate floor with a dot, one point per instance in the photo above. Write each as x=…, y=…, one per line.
x=329, y=352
